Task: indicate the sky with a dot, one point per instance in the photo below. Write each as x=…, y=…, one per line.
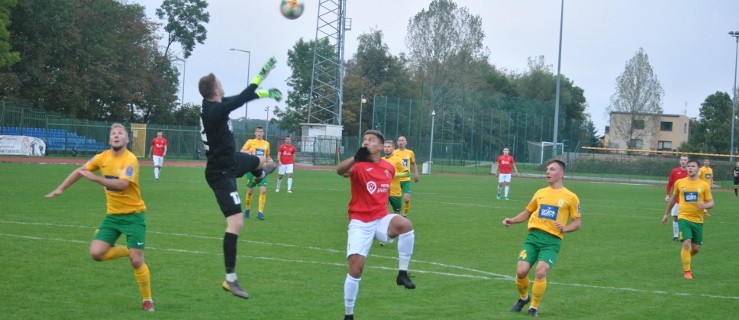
x=687, y=43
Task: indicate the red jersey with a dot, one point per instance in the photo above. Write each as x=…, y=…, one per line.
x=675, y=174
x=505, y=164
x=158, y=144
x=370, y=184
x=287, y=153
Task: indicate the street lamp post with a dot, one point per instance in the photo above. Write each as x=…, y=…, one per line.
x=184, y=70
x=362, y=101
x=248, y=67
x=266, y=131
x=734, y=34
x=431, y=146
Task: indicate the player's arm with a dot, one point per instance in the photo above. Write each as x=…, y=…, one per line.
x=706, y=204
x=345, y=167
x=670, y=182
x=151, y=150
x=115, y=184
x=515, y=168
x=402, y=174
x=521, y=217
x=670, y=203
x=415, y=170
x=573, y=226
x=165, y=151
x=73, y=177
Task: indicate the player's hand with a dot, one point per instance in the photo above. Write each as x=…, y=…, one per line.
x=415, y=178
x=54, y=193
x=507, y=222
x=362, y=155
x=664, y=218
x=667, y=198
x=559, y=226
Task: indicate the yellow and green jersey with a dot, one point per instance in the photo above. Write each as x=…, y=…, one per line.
x=124, y=166
x=257, y=147
x=705, y=174
x=408, y=158
x=549, y=205
x=397, y=163
x=691, y=193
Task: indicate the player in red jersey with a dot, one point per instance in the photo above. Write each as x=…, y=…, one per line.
x=676, y=174
x=157, y=152
x=505, y=164
x=286, y=156
x=370, y=180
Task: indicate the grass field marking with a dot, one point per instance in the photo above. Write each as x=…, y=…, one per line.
x=336, y=264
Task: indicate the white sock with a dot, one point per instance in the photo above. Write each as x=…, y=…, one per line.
x=279, y=182
x=156, y=173
x=675, y=229
x=289, y=183
x=506, y=191
x=498, y=189
x=351, y=289
x=231, y=277
x=406, y=243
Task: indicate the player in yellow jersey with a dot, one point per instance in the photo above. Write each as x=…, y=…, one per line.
x=256, y=147
x=396, y=195
x=119, y=177
x=547, y=214
x=706, y=174
x=694, y=195
x=409, y=160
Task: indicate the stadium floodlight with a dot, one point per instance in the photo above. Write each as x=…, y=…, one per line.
x=431, y=147
x=248, y=67
x=362, y=101
x=734, y=34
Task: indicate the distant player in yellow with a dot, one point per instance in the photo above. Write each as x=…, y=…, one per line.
x=694, y=196
x=119, y=177
x=547, y=214
x=256, y=147
x=409, y=160
x=706, y=175
x=396, y=195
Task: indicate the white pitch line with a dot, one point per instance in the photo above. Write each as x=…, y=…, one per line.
x=490, y=276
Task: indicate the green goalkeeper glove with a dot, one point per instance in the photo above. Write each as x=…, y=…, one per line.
x=271, y=93
x=265, y=71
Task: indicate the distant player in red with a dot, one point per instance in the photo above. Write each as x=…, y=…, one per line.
x=286, y=156
x=370, y=179
x=157, y=151
x=676, y=174
x=505, y=164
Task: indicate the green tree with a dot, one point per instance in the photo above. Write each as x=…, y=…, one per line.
x=638, y=93
x=710, y=132
x=7, y=57
x=185, y=20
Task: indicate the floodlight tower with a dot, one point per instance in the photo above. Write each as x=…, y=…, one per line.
x=324, y=104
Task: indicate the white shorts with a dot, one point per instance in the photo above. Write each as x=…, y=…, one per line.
x=675, y=210
x=361, y=234
x=504, y=177
x=158, y=161
x=285, y=168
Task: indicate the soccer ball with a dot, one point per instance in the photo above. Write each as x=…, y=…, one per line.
x=292, y=9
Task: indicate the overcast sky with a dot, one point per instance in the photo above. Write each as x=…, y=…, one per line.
x=687, y=42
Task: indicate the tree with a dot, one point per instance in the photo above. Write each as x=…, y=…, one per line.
x=638, y=93
x=185, y=20
x=711, y=131
x=7, y=57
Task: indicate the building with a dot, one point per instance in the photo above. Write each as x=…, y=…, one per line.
x=647, y=131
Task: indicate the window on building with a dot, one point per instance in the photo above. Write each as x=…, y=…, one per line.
x=665, y=126
x=664, y=145
x=638, y=124
x=637, y=143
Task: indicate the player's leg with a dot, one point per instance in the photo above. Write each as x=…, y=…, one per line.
x=394, y=226
x=405, y=187
x=549, y=246
x=526, y=258
x=507, y=183
x=250, y=185
x=675, y=226
x=262, y=198
x=135, y=231
x=290, y=170
x=501, y=180
x=359, y=241
x=102, y=246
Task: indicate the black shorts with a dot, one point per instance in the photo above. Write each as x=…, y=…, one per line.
x=223, y=184
x=245, y=163
x=736, y=181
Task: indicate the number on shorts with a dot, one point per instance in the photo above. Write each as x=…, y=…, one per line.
x=235, y=196
x=522, y=255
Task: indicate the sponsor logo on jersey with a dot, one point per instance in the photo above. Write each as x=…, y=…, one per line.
x=691, y=196
x=259, y=152
x=129, y=171
x=548, y=212
x=371, y=187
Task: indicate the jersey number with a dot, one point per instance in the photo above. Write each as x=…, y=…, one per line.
x=522, y=255
x=235, y=197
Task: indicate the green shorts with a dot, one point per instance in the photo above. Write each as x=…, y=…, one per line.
x=540, y=246
x=396, y=203
x=405, y=186
x=690, y=230
x=250, y=181
x=133, y=225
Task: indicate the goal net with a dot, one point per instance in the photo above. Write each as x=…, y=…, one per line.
x=540, y=151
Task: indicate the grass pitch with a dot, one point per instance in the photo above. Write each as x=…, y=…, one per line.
x=622, y=264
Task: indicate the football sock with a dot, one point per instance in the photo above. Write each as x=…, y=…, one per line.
x=685, y=257
x=406, y=242
x=675, y=229
x=156, y=173
x=144, y=280
x=289, y=183
x=407, y=207
x=229, y=251
x=523, y=287
x=498, y=189
x=279, y=182
x=262, y=201
x=351, y=288
x=538, y=292
x=248, y=199
x=115, y=253
x=506, y=191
